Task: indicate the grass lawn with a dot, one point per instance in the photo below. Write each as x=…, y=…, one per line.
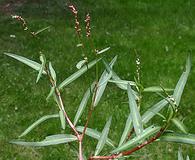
x=162, y=32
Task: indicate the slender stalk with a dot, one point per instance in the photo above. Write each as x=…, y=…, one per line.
x=96, y=66
x=80, y=150
x=95, y=90
x=90, y=111
x=65, y=114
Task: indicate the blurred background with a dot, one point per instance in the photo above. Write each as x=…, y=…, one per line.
x=161, y=31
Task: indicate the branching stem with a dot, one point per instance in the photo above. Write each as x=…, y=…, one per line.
x=61, y=106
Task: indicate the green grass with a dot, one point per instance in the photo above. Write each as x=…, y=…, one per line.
x=163, y=32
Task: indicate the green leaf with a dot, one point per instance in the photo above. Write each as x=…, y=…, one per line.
x=116, y=79
x=179, y=125
x=52, y=72
x=79, y=45
x=105, y=80
x=102, y=83
x=78, y=73
x=94, y=134
x=26, y=61
x=178, y=138
x=62, y=119
x=50, y=140
x=52, y=90
x=128, y=127
x=180, y=156
x=41, y=30
x=187, y=157
x=103, y=50
x=123, y=82
x=103, y=137
x=36, y=123
x=43, y=61
x=156, y=89
x=80, y=64
x=136, y=140
x=83, y=104
x=151, y=112
x=136, y=118
x=182, y=82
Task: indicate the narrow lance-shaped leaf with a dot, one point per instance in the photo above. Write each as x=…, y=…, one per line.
x=178, y=138
x=103, y=137
x=157, y=89
x=182, y=82
x=52, y=90
x=103, y=81
x=151, y=112
x=122, y=84
x=136, y=140
x=79, y=45
x=94, y=134
x=80, y=64
x=103, y=50
x=52, y=72
x=180, y=156
x=62, y=119
x=26, y=61
x=128, y=127
x=50, y=140
x=43, y=61
x=179, y=125
x=36, y=123
x=148, y=115
x=187, y=157
x=136, y=118
x=78, y=74
x=83, y=104
x=41, y=30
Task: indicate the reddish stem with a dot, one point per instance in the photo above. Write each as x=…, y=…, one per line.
x=130, y=134
x=65, y=114
x=80, y=149
x=114, y=156
x=126, y=153
x=90, y=112
x=61, y=104
x=144, y=144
